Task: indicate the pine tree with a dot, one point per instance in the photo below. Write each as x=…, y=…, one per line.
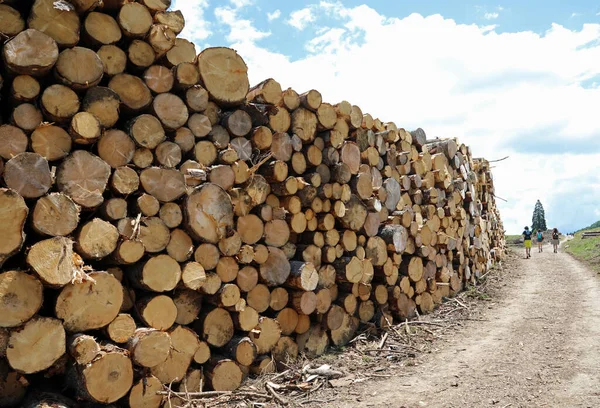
x=538, y=221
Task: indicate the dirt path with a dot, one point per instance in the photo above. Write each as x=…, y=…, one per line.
x=538, y=346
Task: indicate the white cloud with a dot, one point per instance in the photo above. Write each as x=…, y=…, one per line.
x=241, y=30
x=241, y=3
x=491, y=16
x=274, y=15
x=301, y=18
x=197, y=28
x=575, y=14
x=515, y=93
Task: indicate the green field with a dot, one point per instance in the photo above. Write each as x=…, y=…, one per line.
x=587, y=250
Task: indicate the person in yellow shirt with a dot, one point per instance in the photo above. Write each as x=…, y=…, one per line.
x=527, y=240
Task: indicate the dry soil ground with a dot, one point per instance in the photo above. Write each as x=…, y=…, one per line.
x=536, y=345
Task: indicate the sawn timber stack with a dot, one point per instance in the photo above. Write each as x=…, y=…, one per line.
x=164, y=223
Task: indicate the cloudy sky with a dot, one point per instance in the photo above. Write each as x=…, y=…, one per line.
x=518, y=79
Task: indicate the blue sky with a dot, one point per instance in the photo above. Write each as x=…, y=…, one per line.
x=518, y=79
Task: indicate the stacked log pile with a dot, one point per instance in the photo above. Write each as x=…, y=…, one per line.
x=164, y=223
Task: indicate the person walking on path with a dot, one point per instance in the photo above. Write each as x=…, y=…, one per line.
x=540, y=241
x=555, y=236
x=527, y=240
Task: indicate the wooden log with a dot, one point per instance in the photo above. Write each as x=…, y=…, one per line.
x=202, y=354
x=188, y=303
x=114, y=60
x=59, y=103
x=83, y=348
x=303, y=302
x=121, y=329
x=185, y=344
x=53, y=261
x=278, y=299
x=133, y=92
x=23, y=298
x=227, y=296
x=12, y=22
x=355, y=214
x=215, y=326
x=159, y=274
x=96, y=239
x=170, y=110
x=268, y=92
x=68, y=72
x=224, y=75
x=314, y=342
x=37, y=345
x=223, y=374
x=180, y=246
x=55, y=215
x=304, y=124
x=183, y=51
x=101, y=29
x=158, y=312
x=209, y=212
x=60, y=23
x=83, y=177
x=28, y=174
x=107, y=378
x=90, y=304
x=242, y=350
x=395, y=236
x=285, y=351
x=159, y=79
x=265, y=335
x=303, y=276
x=207, y=255
x=30, y=52
x=250, y=228
x=276, y=269
x=144, y=393
x=279, y=120
x=162, y=39
x=149, y=347
x=27, y=117
x=290, y=99
x=51, y=142
x=38, y=399
x=164, y=184
x=13, y=219
x=140, y=55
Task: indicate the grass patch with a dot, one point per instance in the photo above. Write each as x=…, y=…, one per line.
x=512, y=239
x=586, y=250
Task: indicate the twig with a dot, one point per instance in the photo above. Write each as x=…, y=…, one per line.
x=498, y=160
x=316, y=400
x=210, y=394
x=383, y=340
x=500, y=198
x=275, y=395
x=254, y=168
x=421, y=322
x=135, y=231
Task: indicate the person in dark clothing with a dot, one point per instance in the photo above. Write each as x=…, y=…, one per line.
x=527, y=240
x=555, y=238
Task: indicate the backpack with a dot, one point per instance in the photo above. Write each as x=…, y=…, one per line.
x=540, y=236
